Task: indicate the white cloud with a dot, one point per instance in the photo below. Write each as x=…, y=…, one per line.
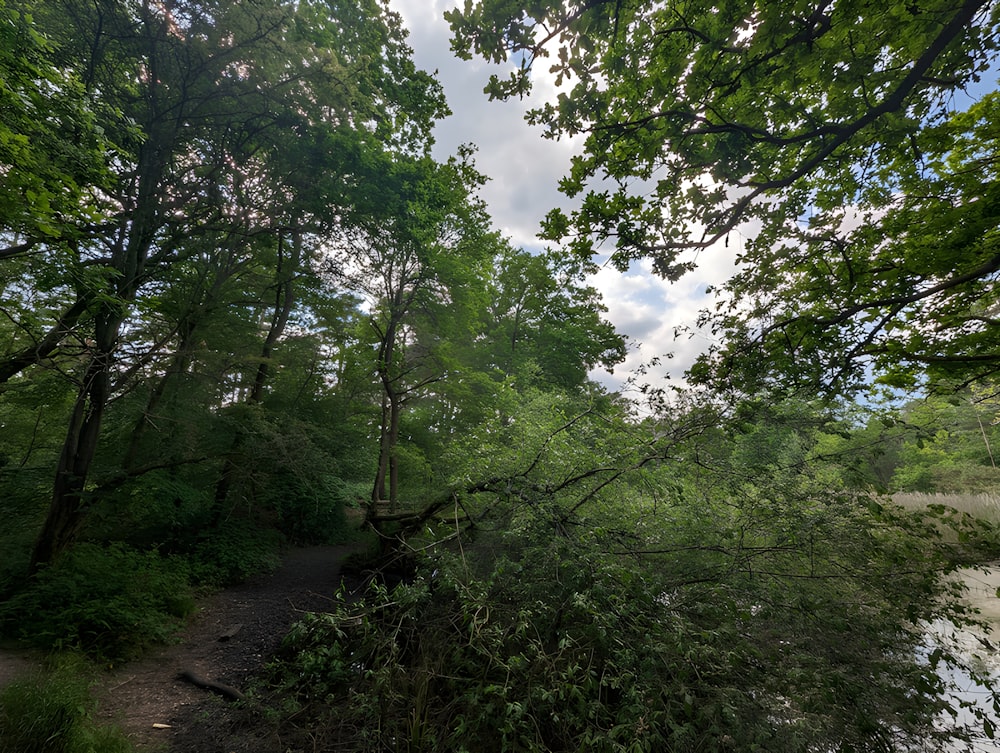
x=525, y=169
x=649, y=310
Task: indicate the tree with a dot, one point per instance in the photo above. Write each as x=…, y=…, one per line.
x=53, y=151
x=542, y=317
x=824, y=135
x=415, y=259
x=901, y=286
x=946, y=445
x=215, y=111
x=584, y=590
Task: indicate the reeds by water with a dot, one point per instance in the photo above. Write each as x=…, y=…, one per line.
x=985, y=506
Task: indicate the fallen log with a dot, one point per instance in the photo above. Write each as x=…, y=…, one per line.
x=226, y=691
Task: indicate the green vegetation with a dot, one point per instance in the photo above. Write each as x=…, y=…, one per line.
x=51, y=712
x=107, y=601
x=241, y=305
x=595, y=594
x=848, y=149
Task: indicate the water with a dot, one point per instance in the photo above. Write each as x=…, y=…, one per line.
x=982, y=594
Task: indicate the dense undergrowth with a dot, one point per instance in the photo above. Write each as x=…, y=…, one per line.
x=114, y=599
x=102, y=604
x=710, y=634
x=51, y=711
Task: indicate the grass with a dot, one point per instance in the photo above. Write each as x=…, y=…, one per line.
x=52, y=711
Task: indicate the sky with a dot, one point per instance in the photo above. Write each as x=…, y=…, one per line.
x=524, y=170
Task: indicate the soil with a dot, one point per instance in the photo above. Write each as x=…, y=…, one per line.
x=229, y=641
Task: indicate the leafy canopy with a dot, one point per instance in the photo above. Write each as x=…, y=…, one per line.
x=824, y=135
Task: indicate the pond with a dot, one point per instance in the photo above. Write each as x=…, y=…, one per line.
x=982, y=593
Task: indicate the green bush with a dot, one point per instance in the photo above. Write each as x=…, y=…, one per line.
x=108, y=601
x=52, y=712
x=532, y=638
x=234, y=552
x=311, y=513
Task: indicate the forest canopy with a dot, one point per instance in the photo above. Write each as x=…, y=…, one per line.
x=244, y=306
x=850, y=146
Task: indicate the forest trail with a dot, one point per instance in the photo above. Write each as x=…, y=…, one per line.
x=260, y=612
x=229, y=640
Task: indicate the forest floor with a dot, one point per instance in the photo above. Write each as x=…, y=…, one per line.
x=230, y=639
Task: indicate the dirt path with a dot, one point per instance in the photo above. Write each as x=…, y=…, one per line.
x=234, y=633
x=16, y=662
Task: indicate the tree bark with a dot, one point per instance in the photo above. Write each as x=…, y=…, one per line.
x=390, y=407
x=69, y=499
x=388, y=470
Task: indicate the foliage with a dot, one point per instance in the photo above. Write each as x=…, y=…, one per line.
x=52, y=712
x=179, y=363
x=927, y=443
x=902, y=284
x=541, y=316
x=825, y=143
x=552, y=646
x=53, y=151
x=947, y=446
x=240, y=289
x=108, y=601
x=216, y=112
x=235, y=551
x=574, y=603
x=285, y=479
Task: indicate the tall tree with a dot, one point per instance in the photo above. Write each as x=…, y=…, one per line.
x=217, y=110
x=542, y=316
x=413, y=260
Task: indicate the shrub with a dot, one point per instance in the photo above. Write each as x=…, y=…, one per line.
x=531, y=638
x=311, y=511
x=108, y=601
x=234, y=552
x=52, y=712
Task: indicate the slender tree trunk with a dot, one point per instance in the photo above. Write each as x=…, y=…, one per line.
x=390, y=406
x=395, y=409
x=388, y=471
x=382, y=470
x=284, y=302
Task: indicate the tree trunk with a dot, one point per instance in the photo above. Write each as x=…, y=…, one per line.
x=382, y=471
x=284, y=301
x=395, y=409
x=390, y=406
x=69, y=499
x=388, y=471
